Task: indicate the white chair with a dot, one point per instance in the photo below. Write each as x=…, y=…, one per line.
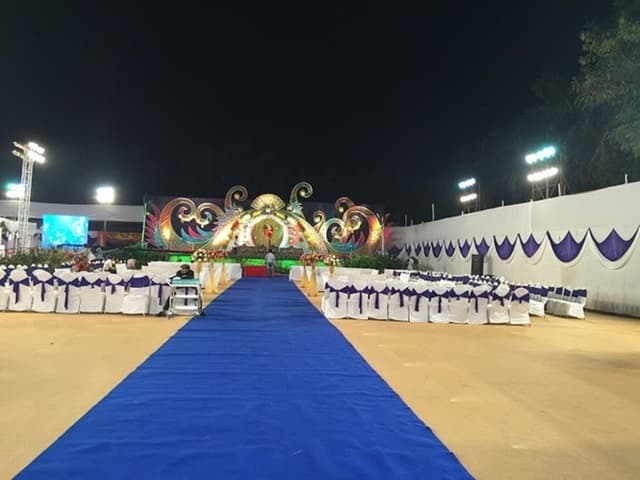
x=160, y=292
x=459, y=304
x=478, y=305
x=499, y=308
x=378, y=304
x=92, y=297
x=439, y=304
x=419, y=303
x=114, y=290
x=4, y=289
x=399, y=300
x=20, y=297
x=335, y=298
x=68, y=300
x=136, y=300
x=44, y=291
x=519, y=307
x=358, y=298
x=572, y=304
x=538, y=300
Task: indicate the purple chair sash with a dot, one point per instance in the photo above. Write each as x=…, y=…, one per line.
x=353, y=290
x=524, y=298
x=376, y=299
x=62, y=283
x=407, y=291
x=426, y=294
x=337, y=291
x=454, y=296
x=580, y=292
x=113, y=286
x=139, y=282
x=474, y=297
x=15, y=286
x=160, y=288
x=42, y=283
x=501, y=298
x=444, y=295
x=97, y=283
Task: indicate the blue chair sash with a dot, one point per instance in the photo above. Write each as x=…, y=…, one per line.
x=160, y=288
x=139, y=282
x=76, y=282
x=365, y=291
x=401, y=292
x=440, y=297
x=426, y=294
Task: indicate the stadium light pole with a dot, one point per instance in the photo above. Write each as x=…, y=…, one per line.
x=542, y=156
x=470, y=194
x=105, y=196
x=29, y=153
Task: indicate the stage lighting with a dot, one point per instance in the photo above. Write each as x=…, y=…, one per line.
x=470, y=182
x=544, y=154
x=468, y=198
x=105, y=194
x=542, y=174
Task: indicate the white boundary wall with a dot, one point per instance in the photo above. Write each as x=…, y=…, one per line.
x=611, y=288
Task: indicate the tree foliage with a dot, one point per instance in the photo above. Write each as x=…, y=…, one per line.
x=609, y=83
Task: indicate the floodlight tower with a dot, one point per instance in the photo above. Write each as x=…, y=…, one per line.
x=470, y=199
x=542, y=158
x=30, y=153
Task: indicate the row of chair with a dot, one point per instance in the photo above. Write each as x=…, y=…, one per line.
x=40, y=291
x=422, y=301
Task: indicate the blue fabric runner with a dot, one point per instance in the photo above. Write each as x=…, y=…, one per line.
x=262, y=387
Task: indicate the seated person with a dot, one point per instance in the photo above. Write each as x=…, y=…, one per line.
x=109, y=266
x=185, y=272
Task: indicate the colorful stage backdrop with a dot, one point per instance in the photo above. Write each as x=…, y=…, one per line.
x=266, y=221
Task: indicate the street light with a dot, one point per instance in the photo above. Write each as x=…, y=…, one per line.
x=106, y=196
x=29, y=154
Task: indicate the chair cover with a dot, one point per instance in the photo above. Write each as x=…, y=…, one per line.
x=572, y=304
x=358, y=298
x=44, y=291
x=92, y=296
x=136, y=300
x=68, y=300
x=4, y=290
x=335, y=298
x=519, y=307
x=439, y=304
x=20, y=297
x=114, y=290
x=538, y=301
x=399, y=298
x=419, y=303
x=499, y=308
x=478, y=305
x=160, y=292
x=378, y=300
x=459, y=304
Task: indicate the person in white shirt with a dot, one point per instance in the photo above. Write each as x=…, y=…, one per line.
x=270, y=259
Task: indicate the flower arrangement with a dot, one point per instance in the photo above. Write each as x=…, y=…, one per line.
x=309, y=259
x=217, y=255
x=199, y=256
x=331, y=260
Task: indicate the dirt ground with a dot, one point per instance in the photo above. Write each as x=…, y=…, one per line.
x=557, y=400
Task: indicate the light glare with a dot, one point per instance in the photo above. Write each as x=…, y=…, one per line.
x=470, y=182
x=468, y=198
x=105, y=194
x=35, y=147
x=14, y=190
x=544, y=154
x=543, y=174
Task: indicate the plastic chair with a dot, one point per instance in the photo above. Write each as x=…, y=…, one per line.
x=519, y=307
x=68, y=300
x=358, y=298
x=92, y=297
x=114, y=290
x=136, y=300
x=335, y=298
x=499, y=308
x=44, y=291
x=459, y=304
x=20, y=298
x=478, y=305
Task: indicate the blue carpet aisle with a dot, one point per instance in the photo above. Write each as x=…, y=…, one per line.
x=263, y=387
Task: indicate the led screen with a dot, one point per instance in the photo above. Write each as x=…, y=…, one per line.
x=61, y=230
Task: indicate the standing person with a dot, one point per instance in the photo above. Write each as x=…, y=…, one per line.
x=270, y=258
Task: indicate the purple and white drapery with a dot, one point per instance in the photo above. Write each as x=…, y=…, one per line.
x=612, y=248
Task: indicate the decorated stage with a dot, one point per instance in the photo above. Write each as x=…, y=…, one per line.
x=249, y=229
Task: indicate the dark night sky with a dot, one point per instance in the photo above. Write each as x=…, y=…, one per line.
x=368, y=101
